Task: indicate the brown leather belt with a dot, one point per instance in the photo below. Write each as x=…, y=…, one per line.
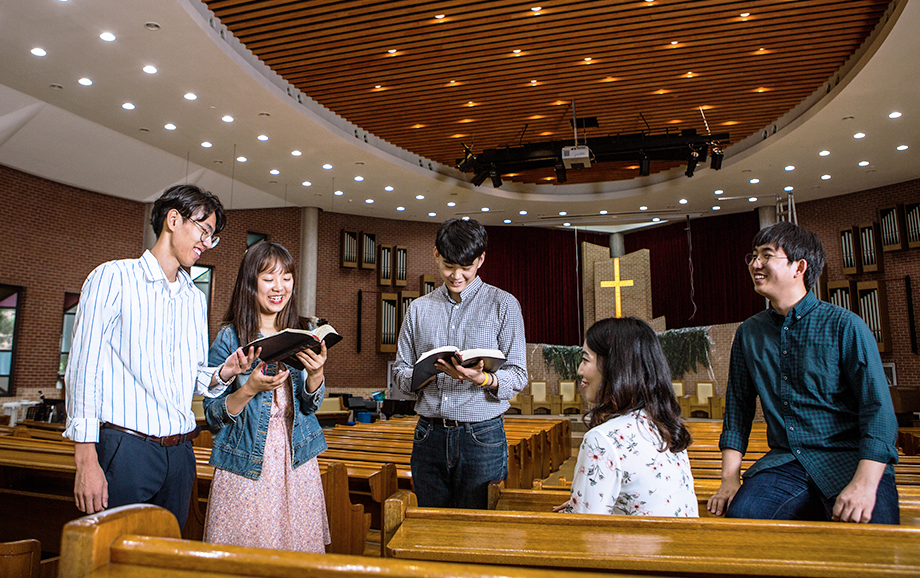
x=167, y=441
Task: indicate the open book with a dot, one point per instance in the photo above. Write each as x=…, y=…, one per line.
x=425, y=369
x=283, y=346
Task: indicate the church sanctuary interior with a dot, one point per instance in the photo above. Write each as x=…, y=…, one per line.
x=620, y=154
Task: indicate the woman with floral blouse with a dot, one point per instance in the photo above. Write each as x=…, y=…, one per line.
x=633, y=460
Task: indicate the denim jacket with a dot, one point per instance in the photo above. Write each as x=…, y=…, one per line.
x=239, y=442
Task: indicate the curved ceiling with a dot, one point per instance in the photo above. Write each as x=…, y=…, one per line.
x=834, y=70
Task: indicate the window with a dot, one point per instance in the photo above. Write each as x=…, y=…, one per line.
x=10, y=296
x=71, y=300
x=253, y=238
x=201, y=276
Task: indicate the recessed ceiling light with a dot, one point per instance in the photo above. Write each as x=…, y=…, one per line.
x=153, y=26
x=85, y=82
x=262, y=137
x=400, y=208
x=902, y=147
x=296, y=153
x=226, y=118
x=603, y=212
x=825, y=177
x=391, y=51
x=588, y=59
x=388, y=188
x=338, y=193
x=190, y=96
x=206, y=144
x=507, y=221
x=369, y=201
x=859, y=135
x=516, y=51
x=824, y=153
x=107, y=36
x=420, y=197
x=128, y=106
x=150, y=69
x=790, y=167
x=327, y=166
x=682, y=201
x=38, y=51
x=522, y=212
x=359, y=178
x=716, y=207
x=484, y=209
x=863, y=163
x=241, y=159
x=745, y=14
x=894, y=114
x=451, y=204
x=307, y=184
x=754, y=181
x=274, y=172
x=787, y=189
x=719, y=191
x=566, y=224
x=439, y=16
x=752, y=200
x=432, y=214
x=536, y=9
x=562, y=213
x=169, y=126
x=643, y=208
x=465, y=219
x=55, y=86
x=673, y=42
x=655, y=219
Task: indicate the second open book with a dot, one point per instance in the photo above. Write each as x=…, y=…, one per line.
x=425, y=368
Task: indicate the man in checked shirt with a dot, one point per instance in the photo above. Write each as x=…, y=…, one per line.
x=460, y=443
x=816, y=368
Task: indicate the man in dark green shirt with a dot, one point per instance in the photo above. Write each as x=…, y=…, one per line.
x=816, y=368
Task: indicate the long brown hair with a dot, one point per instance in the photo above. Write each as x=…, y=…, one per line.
x=635, y=376
x=243, y=312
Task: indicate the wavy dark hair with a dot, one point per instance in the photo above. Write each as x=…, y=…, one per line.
x=243, y=312
x=635, y=376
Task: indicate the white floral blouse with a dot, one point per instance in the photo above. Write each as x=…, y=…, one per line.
x=620, y=471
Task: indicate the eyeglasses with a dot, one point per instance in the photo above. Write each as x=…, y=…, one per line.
x=764, y=259
x=206, y=235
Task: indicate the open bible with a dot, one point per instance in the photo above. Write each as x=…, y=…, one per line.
x=284, y=345
x=425, y=368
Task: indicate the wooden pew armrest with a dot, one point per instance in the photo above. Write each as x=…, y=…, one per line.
x=394, y=513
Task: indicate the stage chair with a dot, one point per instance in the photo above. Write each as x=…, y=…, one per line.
x=683, y=400
x=516, y=403
x=536, y=399
x=701, y=402
x=570, y=398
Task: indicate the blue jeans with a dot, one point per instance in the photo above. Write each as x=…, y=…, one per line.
x=787, y=492
x=453, y=465
x=141, y=471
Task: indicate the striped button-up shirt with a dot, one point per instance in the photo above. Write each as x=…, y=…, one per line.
x=824, y=395
x=485, y=318
x=137, y=348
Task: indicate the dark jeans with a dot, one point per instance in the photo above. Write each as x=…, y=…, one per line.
x=452, y=466
x=787, y=492
x=140, y=471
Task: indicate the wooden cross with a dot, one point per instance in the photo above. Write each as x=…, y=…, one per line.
x=617, y=283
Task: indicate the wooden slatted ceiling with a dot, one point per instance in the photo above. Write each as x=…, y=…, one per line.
x=457, y=78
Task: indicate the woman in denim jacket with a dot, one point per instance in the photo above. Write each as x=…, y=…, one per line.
x=267, y=490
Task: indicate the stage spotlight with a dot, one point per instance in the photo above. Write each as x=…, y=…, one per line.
x=496, y=178
x=645, y=165
x=560, y=173
x=479, y=178
x=691, y=163
x=717, y=156
x=467, y=163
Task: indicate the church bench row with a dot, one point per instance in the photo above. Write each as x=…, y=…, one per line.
x=542, y=499
x=36, y=493
x=655, y=546
x=143, y=542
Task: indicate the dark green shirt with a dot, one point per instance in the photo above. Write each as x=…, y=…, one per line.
x=822, y=389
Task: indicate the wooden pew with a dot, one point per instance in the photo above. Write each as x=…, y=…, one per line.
x=656, y=546
x=36, y=490
x=143, y=542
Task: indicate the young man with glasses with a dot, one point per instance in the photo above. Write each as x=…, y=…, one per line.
x=816, y=368
x=140, y=334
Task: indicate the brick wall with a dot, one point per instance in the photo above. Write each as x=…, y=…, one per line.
x=53, y=235
x=827, y=217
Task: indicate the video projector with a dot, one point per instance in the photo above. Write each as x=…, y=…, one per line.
x=576, y=157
